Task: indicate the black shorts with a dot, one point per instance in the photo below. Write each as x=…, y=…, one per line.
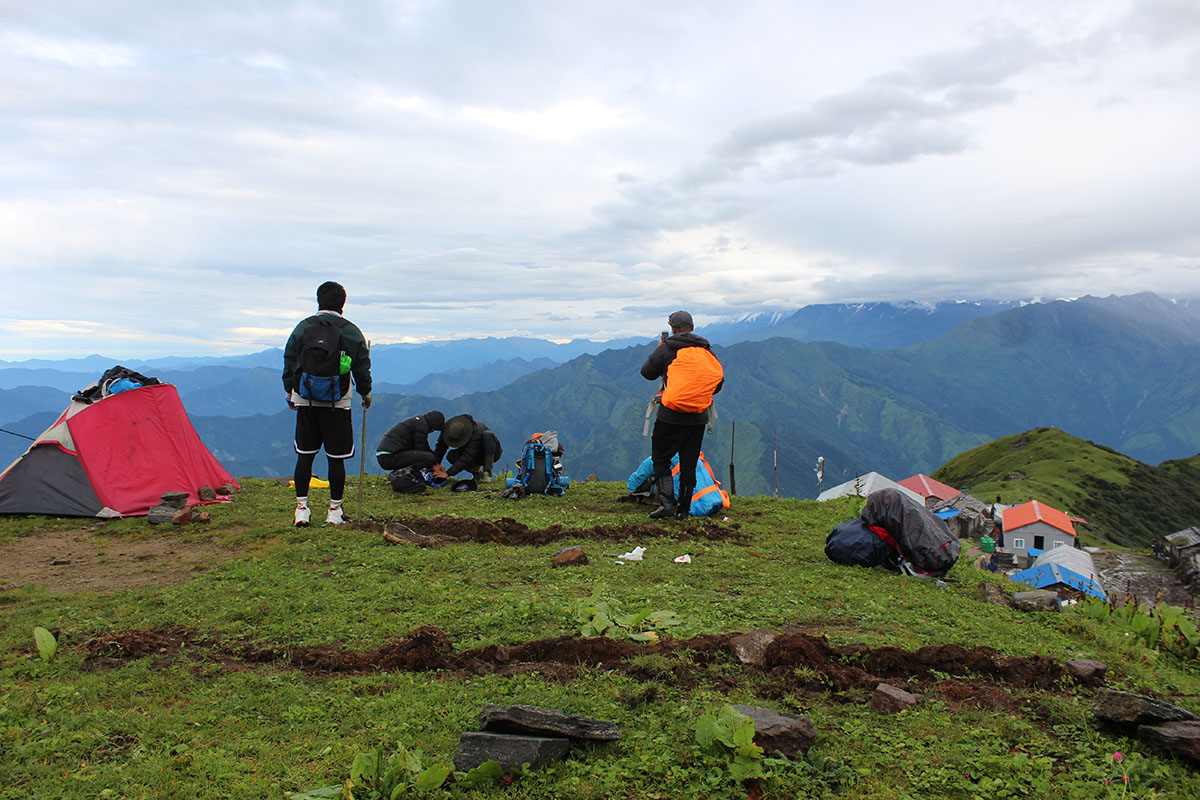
x=321, y=425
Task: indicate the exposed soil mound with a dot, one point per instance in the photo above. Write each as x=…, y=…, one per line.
x=859, y=668
x=795, y=663
x=510, y=532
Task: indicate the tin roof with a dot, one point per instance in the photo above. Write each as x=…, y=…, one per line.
x=1185, y=537
x=927, y=487
x=1028, y=513
x=865, y=485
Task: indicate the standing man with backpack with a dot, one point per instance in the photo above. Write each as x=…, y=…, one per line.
x=322, y=353
x=691, y=375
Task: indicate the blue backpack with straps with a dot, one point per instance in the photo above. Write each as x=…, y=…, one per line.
x=539, y=471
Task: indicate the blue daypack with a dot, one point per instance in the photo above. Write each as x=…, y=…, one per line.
x=854, y=543
x=539, y=471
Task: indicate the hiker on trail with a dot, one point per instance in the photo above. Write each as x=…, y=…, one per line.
x=472, y=446
x=407, y=443
x=321, y=355
x=691, y=375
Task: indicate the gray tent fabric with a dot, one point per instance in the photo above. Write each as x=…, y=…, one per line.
x=923, y=539
x=48, y=481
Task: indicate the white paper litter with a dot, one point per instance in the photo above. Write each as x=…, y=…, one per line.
x=684, y=559
x=633, y=555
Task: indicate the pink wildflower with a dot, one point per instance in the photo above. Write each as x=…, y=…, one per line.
x=1117, y=757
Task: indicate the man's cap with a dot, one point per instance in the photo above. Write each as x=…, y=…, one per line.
x=435, y=420
x=680, y=319
x=457, y=431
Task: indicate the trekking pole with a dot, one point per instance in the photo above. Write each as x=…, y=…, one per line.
x=362, y=461
x=362, y=464
x=732, y=480
x=775, y=447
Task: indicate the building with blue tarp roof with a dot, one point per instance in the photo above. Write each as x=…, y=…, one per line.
x=1064, y=566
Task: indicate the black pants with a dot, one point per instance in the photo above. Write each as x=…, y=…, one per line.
x=409, y=458
x=669, y=438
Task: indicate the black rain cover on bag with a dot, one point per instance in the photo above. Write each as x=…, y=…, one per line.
x=853, y=543
x=923, y=538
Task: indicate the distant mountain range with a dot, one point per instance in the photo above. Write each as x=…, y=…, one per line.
x=873, y=326
x=1121, y=371
x=249, y=384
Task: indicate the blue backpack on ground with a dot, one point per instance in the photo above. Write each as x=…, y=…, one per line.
x=539, y=471
x=708, y=497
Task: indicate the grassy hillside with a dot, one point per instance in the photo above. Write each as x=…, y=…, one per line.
x=266, y=667
x=1125, y=500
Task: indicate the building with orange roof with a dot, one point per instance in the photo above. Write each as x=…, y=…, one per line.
x=928, y=488
x=1038, y=527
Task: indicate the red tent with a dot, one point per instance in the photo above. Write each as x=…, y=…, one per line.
x=112, y=457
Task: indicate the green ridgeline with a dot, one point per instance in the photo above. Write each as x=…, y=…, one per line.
x=1123, y=500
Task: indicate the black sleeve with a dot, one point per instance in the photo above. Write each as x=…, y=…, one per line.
x=291, y=358
x=656, y=365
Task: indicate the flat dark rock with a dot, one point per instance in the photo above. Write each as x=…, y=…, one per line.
x=1181, y=738
x=780, y=733
x=1134, y=709
x=890, y=699
x=1086, y=671
x=535, y=721
x=568, y=556
x=1037, y=600
x=396, y=533
x=176, y=500
x=160, y=514
x=475, y=748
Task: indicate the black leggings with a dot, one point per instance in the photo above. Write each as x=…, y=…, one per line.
x=303, y=475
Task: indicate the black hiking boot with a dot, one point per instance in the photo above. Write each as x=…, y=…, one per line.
x=684, y=506
x=666, y=499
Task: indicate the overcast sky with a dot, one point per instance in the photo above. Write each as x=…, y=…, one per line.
x=177, y=178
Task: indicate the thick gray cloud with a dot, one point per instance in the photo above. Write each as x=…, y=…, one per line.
x=170, y=174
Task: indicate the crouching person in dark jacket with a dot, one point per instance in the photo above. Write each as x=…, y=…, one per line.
x=407, y=443
x=472, y=447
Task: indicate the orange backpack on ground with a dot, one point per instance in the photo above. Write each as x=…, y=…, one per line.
x=692, y=377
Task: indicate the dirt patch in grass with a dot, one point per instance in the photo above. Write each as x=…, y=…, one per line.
x=86, y=560
x=796, y=663
x=510, y=532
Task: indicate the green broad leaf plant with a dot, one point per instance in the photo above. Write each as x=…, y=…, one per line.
x=605, y=616
x=47, y=645
x=729, y=735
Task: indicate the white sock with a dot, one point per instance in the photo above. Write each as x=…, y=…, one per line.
x=301, y=502
x=335, y=503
